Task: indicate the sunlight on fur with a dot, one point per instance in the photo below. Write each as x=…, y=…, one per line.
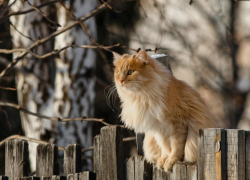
x=167, y=110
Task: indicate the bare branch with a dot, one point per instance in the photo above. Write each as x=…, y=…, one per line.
x=26, y=11
x=56, y=119
x=110, y=7
x=41, y=41
x=43, y=14
x=56, y=51
x=45, y=142
x=8, y=88
x=27, y=139
x=21, y=32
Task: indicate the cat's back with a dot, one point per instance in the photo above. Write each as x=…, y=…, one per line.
x=186, y=102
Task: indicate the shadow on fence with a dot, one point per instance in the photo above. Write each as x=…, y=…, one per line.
x=222, y=154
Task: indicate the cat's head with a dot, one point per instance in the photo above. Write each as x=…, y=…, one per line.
x=132, y=72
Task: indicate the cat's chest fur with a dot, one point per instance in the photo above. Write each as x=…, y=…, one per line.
x=144, y=114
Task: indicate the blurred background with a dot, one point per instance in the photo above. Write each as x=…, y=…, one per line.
x=208, y=42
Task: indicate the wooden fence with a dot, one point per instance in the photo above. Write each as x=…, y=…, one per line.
x=222, y=154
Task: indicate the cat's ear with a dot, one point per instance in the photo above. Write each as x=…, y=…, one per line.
x=116, y=57
x=142, y=55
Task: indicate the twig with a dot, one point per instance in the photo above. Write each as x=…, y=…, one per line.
x=8, y=88
x=26, y=11
x=41, y=41
x=21, y=32
x=43, y=14
x=5, y=62
x=27, y=139
x=83, y=26
x=129, y=139
x=56, y=51
x=56, y=119
x=110, y=7
x=45, y=142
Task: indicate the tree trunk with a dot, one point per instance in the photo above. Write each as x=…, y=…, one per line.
x=75, y=78
x=58, y=86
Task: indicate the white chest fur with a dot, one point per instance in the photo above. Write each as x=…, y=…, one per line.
x=144, y=115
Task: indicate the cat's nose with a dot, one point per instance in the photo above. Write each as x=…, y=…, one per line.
x=121, y=80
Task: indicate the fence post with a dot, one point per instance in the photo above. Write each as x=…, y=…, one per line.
x=212, y=154
x=137, y=168
x=53, y=178
x=179, y=171
x=192, y=173
x=46, y=160
x=247, y=155
x=72, y=159
x=82, y=176
x=87, y=176
x=159, y=174
x=235, y=154
x=97, y=157
x=111, y=153
x=16, y=158
x=28, y=178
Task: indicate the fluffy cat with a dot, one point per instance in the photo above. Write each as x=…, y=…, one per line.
x=167, y=110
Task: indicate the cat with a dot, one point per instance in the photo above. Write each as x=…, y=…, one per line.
x=167, y=110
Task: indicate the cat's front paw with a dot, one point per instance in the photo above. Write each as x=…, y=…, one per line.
x=168, y=165
x=160, y=162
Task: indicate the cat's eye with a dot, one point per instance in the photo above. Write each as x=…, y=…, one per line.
x=130, y=72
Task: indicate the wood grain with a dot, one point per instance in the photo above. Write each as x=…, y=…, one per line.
x=235, y=154
x=111, y=153
x=16, y=158
x=138, y=168
x=72, y=159
x=179, y=171
x=212, y=154
x=46, y=160
x=247, y=155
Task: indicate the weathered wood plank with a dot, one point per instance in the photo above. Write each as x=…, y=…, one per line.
x=53, y=178
x=46, y=160
x=72, y=159
x=4, y=178
x=111, y=148
x=159, y=174
x=143, y=170
x=28, y=178
x=86, y=175
x=192, y=173
x=97, y=157
x=235, y=154
x=16, y=158
x=130, y=169
x=212, y=154
x=247, y=155
x=138, y=168
x=179, y=171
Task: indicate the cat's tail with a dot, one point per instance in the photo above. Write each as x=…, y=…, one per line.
x=190, y=152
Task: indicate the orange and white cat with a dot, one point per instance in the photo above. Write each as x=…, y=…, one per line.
x=167, y=110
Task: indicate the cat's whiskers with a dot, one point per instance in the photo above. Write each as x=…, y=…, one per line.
x=111, y=91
